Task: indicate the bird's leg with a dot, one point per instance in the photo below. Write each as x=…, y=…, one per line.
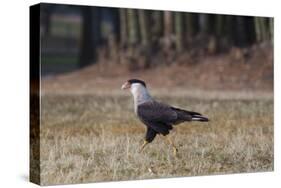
x=143, y=145
x=175, y=150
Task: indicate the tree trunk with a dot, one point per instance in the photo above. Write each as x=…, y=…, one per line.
x=179, y=31
x=123, y=26
x=168, y=23
x=47, y=11
x=168, y=29
x=132, y=26
x=203, y=24
x=144, y=31
x=249, y=30
x=189, y=25
x=228, y=29
x=91, y=35
x=240, y=36
x=219, y=25
x=47, y=23
x=157, y=24
x=258, y=30
x=263, y=28
x=115, y=23
x=271, y=28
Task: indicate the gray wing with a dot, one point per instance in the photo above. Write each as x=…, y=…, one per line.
x=157, y=116
x=156, y=112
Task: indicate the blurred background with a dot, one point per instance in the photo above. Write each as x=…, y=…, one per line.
x=217, y=51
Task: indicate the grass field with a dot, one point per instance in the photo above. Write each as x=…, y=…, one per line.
x=91, y=138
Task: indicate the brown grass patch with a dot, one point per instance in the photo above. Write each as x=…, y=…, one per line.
x=88, y=138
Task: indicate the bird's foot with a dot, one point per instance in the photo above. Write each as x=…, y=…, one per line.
x=143, y=146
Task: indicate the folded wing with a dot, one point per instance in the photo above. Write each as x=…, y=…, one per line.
x=157, y=116
x=160, y=117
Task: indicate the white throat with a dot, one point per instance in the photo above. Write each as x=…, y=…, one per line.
x=140, y=94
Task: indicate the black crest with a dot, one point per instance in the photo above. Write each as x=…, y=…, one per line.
x=132, y=81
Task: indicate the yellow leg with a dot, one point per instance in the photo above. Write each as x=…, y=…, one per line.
x=175, y=150
x=143, y=145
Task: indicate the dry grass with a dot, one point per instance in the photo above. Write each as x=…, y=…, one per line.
x=91, y=138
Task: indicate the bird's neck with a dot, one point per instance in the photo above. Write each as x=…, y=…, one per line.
x=140, y=95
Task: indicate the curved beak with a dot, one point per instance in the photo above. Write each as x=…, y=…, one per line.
x=126, y=85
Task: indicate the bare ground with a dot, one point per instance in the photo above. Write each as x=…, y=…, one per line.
x=239, y=70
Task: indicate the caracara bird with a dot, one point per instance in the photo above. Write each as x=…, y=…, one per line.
x=158, y=117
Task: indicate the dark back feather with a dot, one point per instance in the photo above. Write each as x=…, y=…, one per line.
x=160, y=117
x=157, y=116
x=156, y=112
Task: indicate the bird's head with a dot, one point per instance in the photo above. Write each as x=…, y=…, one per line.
x=138, y=90
x=132, y=83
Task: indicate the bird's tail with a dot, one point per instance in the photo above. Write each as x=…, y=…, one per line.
x=199, y=118
x=185, y=115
